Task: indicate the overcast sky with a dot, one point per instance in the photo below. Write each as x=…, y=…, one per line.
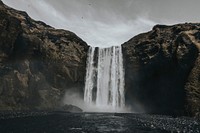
x=109, y=22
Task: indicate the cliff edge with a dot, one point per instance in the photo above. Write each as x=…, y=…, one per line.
x=37, y=62
x=162, y=69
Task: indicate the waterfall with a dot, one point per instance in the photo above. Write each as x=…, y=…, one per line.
x=104, y=84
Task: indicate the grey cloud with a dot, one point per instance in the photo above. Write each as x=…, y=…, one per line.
x=109, y=22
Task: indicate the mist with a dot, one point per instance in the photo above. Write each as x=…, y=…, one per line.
x=73, y=97
x=107, y=23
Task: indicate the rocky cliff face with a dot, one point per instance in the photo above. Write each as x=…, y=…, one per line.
x=162, y=69
x=37, y=62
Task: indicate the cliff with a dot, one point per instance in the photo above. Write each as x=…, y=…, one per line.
x=37, y=62
x=162, y=69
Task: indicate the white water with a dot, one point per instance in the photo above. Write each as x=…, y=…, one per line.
x=104, y=84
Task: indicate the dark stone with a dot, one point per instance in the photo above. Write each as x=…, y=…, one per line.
x=37, y=62
x=157, y=68
x=70, y=108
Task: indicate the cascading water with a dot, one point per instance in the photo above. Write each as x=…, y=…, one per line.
x=104, y=84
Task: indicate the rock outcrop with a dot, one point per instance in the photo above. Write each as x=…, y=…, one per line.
x=162, y=69
x=37, y=62
x=69, y=108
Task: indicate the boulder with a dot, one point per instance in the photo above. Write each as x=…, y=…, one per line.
x=70, y=108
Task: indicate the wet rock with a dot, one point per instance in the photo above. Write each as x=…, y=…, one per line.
x=70, y=108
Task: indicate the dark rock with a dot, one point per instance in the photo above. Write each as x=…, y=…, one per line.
x=162, y=70
x=37, y=62
x=70, y=108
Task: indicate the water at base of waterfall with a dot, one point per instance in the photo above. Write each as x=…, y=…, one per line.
x=54, y=122
x=104, y=84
